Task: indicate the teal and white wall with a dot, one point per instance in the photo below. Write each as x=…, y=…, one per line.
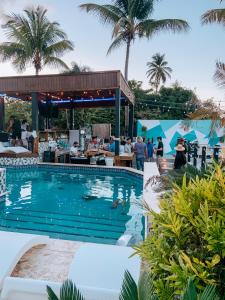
x=170, y=130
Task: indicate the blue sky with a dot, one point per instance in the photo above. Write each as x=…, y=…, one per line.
x=191, y=55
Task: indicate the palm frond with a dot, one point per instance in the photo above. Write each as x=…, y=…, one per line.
x=214, y=16
x=219, y=75
x=59, y=48
x=150, y=27
x=69, y=291
x=76, y=69
x=210, y=293
x=51, y=294
x=146, y=287
x=129, y=290
x=55, y=62
x=116, y=44
x=104, y=12
x=208, y=110
x=190, y=292
x=140, y=9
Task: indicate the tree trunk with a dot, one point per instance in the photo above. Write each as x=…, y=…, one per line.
x=127, y=60
x=126, y=78
x=36, y=71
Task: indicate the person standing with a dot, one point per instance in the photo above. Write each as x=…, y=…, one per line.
x=128, y=146
x=150, y=150
x=140, y=149
x=159, y=150
x=180, y=159
x=24, y=133
x=15, y=129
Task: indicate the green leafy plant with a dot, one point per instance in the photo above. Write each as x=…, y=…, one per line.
x=187, y=237
x=145, y=290
x=68, y=291
x=209, y=293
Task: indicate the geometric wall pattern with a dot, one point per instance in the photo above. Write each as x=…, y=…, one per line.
x=171, y=130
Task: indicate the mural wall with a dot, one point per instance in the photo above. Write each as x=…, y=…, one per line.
x=171, y=130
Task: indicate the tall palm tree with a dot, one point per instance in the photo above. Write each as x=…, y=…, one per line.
x=34, y=40
x=158, y=70
x=131, y=19
x=216, y=16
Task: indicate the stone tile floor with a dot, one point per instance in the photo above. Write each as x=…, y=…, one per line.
x=47, y=262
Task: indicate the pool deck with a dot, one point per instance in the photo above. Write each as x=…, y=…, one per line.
x=48, y=262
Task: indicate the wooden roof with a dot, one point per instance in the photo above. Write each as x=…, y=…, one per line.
x=89, y=83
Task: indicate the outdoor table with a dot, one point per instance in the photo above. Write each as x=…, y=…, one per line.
x=124, y=160
x=80, y=160
x=62, y=156
x=90, y=153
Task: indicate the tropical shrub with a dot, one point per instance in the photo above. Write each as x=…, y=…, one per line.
x=187, y=237
x=68, y=291
x=145, y=290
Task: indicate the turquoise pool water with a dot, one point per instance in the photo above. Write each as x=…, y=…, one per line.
x=88, y=206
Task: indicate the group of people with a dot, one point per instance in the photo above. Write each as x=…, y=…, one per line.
x=146, y=151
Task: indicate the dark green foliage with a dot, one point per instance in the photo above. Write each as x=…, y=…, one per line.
x=68, y=291
x=209, y=293
x=20, y=109
x=129, y=289
x=171, y=103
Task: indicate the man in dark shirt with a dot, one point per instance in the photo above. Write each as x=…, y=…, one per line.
x=15, y=129
x=159, y=150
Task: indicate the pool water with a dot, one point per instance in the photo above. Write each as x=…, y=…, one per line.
x=68, y=204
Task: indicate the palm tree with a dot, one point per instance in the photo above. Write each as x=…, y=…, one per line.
x=216, y=16
x=131, y=19
x=76, y=69
x=34, y=40
x=158, y=70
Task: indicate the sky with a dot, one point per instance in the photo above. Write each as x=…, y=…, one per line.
x=192, y=55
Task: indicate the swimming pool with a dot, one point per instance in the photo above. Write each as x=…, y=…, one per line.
x=84, y=204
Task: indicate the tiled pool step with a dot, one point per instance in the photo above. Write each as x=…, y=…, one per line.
x=68, y=227
x=73, y=218
x=80, y=212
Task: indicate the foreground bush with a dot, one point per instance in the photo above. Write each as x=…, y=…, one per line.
x=131, y=291
x=187, y=238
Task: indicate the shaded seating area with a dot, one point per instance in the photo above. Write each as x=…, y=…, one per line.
x=70, y=92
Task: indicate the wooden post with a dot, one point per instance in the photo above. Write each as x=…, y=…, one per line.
x=71, y=119
x=34, y=111
x=131, y=121
x=117, y=118
x=2, y=113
